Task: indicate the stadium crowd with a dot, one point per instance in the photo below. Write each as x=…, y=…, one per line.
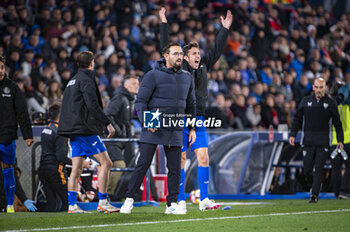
x=273, y=54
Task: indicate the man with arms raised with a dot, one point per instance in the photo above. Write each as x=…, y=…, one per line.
x=198, y=67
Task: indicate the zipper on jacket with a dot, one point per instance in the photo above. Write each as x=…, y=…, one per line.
x=172, y=132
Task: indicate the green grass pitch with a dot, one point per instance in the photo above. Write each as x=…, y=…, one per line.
x=276, y=215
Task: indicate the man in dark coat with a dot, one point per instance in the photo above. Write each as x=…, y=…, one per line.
x=166, y=90
x=13, y=112
x=198, y=66
x=82, y=120
x=121, y=109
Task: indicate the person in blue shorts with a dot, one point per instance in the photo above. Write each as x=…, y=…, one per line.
x=198, y=66
x=13, y=112
x=82, y=120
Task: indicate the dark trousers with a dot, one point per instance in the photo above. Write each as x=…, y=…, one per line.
x=54, y=181
x=173, y=155
x=339, y=183
x=315, y=156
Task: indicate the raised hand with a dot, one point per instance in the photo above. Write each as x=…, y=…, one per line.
x=162, y=15
x=227, y=21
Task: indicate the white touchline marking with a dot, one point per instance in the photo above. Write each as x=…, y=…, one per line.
x=182, y=220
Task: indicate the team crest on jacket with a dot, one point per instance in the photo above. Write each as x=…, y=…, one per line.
x=309, y=103
x=325, y=105
x=6, y=90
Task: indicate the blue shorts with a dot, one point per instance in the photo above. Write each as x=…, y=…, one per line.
x=201, y=137
x=86, y=145
x=8, y=152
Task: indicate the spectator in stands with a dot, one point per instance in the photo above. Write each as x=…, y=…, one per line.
x=121, y=109
x=111, y=65
x=218, y=111
x=258, y=91
x=50, y=48
x=14, y=112
x=65, y=77
x=269, y=116
x=54, y=92
x=301, y=89
x=253, y=114
x=38, y=101
x=238, y=109
x=13, y=61
x=279, y=107
x=26, y=64
x=144, y=55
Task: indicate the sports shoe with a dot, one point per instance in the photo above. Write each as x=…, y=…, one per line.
x=343, y=195
x=75, y=209
x=174, y=209
x=182, y=206
x=105, y=207
x=127, y=206
x=207, y=204
x=10, y=209
x=313, y=198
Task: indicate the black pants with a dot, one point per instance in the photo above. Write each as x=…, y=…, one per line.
x=315, y=156
x=339, y=183
x=173, y=155
x=54, y=180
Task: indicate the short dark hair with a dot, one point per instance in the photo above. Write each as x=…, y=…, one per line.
x=2, y=59
x=54, y=111
x=130, y=76
x=190, y=45
x=166, y=49
x=84, y=59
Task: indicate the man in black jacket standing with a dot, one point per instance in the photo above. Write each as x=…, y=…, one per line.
x=82, y=120
x=314, y=117
x=13, y=112
x=198, y=66
x=166, y=90
x=121, y=109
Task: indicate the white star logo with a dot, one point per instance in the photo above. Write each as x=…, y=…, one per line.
x=156, y=115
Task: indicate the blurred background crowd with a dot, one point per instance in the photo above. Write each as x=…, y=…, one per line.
x=274, y=52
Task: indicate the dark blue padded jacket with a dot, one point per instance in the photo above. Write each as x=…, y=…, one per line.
x=173, y=94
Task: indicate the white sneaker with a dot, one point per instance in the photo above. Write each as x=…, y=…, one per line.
x=105, y=207
x=208, y=204
x=182, y=205
x=174, y=209
x=127, y=206
x=75, y=209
